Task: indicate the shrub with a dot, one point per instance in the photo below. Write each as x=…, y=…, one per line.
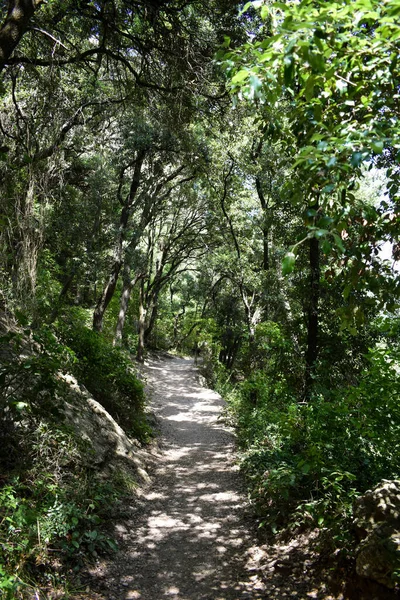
x=307, y=461
x=109, y=376
x=53, y=507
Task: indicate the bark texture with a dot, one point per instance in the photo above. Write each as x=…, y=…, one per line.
x=15, y=25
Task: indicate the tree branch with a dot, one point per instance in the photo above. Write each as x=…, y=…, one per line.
x=15, y=25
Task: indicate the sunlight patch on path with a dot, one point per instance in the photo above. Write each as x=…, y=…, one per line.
x=188, y=540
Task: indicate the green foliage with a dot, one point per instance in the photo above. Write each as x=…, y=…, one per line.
x=328, y=60
x=307, y=461
x=44, y=514
x=53, y=505
x=109, y=376
x=28, y=376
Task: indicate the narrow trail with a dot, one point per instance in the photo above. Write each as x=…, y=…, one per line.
x=188, y=537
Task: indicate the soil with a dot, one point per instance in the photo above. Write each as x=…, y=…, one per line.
x=190, y=533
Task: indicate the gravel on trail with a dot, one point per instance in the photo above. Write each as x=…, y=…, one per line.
x=188, y=536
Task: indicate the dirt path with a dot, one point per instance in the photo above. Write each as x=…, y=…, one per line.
x=188, y=537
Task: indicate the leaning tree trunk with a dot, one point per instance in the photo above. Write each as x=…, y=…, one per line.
x=111, y=284
x=106, y=296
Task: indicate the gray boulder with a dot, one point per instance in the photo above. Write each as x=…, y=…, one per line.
x=377, y=524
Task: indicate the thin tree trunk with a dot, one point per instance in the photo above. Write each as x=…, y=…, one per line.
x=129, y=284
x=106, y=296
x=63, y=293
x=123, y=307
x=313, y=316
x=109, y=288
x=142, y=325
x=152, y=321
x=265, y=229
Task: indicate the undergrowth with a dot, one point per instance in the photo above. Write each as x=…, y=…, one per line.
x=307, y=461
x=54, y=504
x=108, y=374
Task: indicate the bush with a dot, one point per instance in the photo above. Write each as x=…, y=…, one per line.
x=307, y=461
x=53, y=507
x=109, y=376
x=49, y=522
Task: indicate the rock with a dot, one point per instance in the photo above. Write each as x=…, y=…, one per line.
x=377, y=523
x=107, y=442
x=378, y=556
x=380, y=505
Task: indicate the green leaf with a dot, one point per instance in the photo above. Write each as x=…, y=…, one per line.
x=288, y=72
x=309, y=89
x=326, y=247
x=288, y=263
x=377, y=147
x=356, y=159
x=240, y=76
x=113, y=545
x=331, y=162
x=255, y=83
x=246, y=7
x=328, y=188
x=339, y=242
x=316, y=61
x=319, y=233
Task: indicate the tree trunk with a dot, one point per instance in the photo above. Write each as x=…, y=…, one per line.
x=152, y=321
x=15, y=25
x=28, y=241
x=313, y=316
x=142, y=325
x=106, y=296
x=109, y=288
x=123, y=307
x=63, y=293
x=265, y=228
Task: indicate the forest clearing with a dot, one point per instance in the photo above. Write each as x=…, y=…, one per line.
x=199, y=191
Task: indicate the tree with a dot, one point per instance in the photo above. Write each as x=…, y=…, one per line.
x=312, y=73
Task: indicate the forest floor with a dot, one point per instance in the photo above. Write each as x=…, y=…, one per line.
x=191, y=535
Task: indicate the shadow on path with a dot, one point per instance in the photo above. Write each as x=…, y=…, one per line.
x=188, y=537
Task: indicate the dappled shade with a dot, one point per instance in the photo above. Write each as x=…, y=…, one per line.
x=189, y=537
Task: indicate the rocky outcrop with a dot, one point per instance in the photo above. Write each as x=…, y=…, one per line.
x=107, y=443
x=377, y=524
